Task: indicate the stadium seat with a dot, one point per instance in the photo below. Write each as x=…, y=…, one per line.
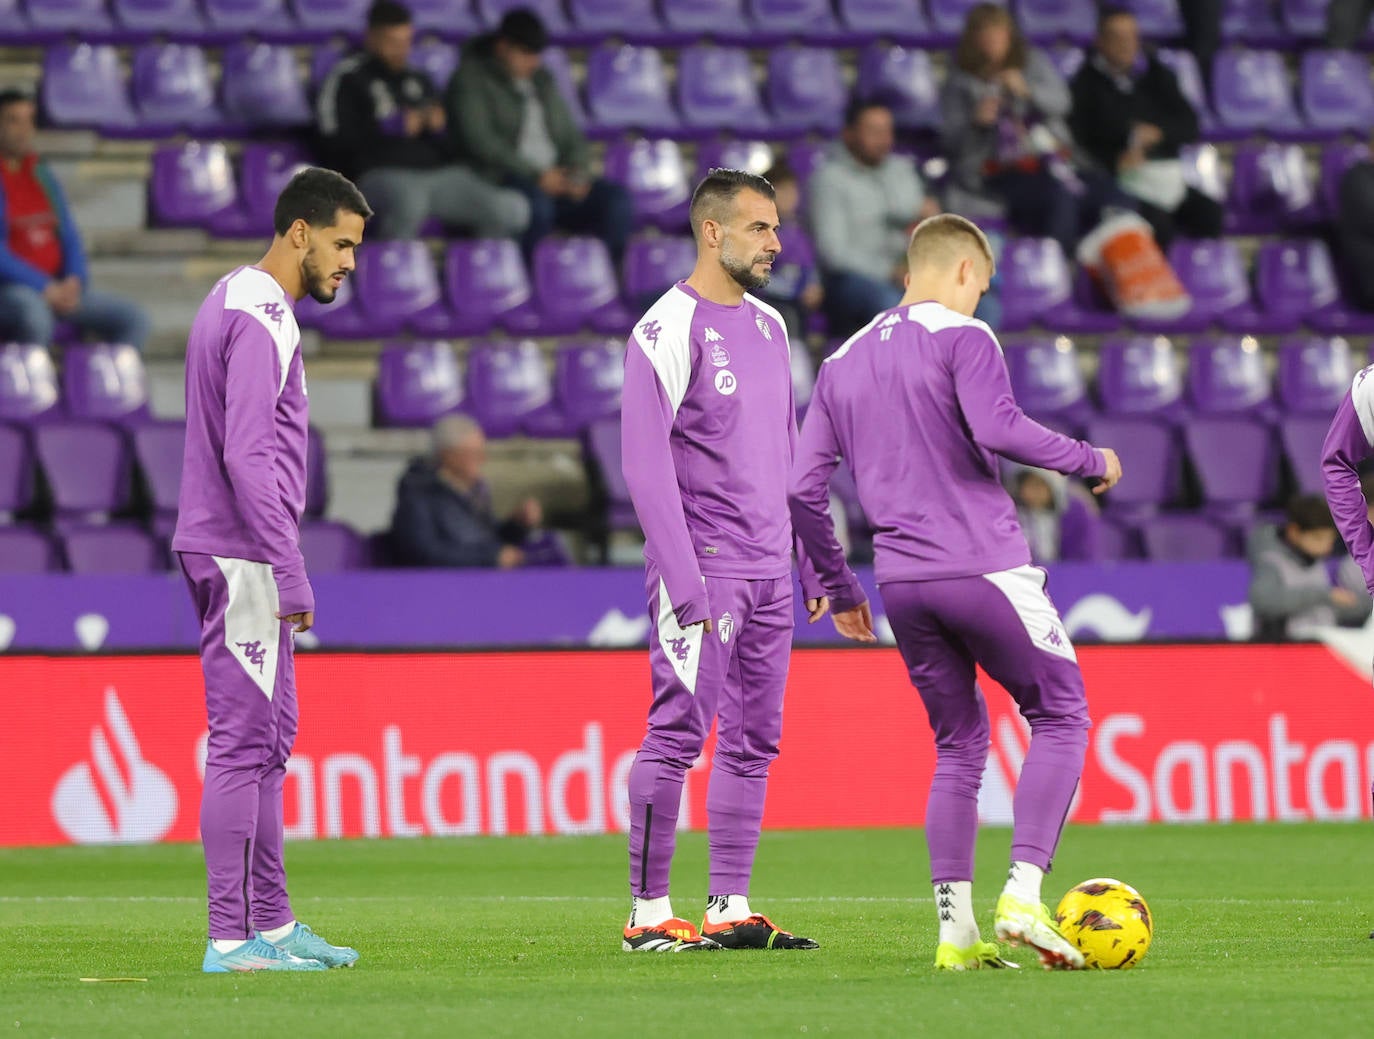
x=1254, y=23
x=1295, y=282
x=24, y=550
x=588, y=377
x=1302, y=438
x=1305, y=19
x=342, y=319
x=106, y=382
x=1336, y=92
x=192, y=185
x=690, y=20
x=1214, y=274
x=417, y=383
x=16, y=472
x=330, y=547
x=1236, y=461
x=655, y=174
x=1066, y=59
x=1159, y=19
x=653, y=265
x=777, y=21
x=806, y=90
x=575, y=287
x=270, y=19
x=437, y=58
x=602, y=455
x=262, y=89
x=1140, y=376
x=1117, y=541
x=158, y=450
x=1337, y=158
x=1228, y=377
x=1252, y=94
x=903, y=79
x=1271, y=190
x=1185, y=539
x=508, y=385
x=28, y=383
x=90, y=18
x=1149, y=452
x=323, y=19
x=1315, y=374
x=627, y=89
x=1202, y=170
x=87, y=465
x=734, y=153
x=173, y=91
x=177, y=19
x=1047, y=379
x=264, y=169
x=902, y=21
x=634, y=21
x=83, y=87
x=947, y=17
x=1194, y=88
x=1037, y=283
x=323, y=58
x=316, y=473
x=450, y=19
x=117, y=548
x=550, y=12
x=398, y=287
x=716, y=91
x=1045, y=21
x=18, y=28
x=487, y=286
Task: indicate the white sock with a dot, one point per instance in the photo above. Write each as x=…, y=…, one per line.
x=954, y=906
x=223, y=945
x=278, y=933
x=724, y=909
x=1023, y=881
x=647, y=912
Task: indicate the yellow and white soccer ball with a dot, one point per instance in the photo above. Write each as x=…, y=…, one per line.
x=1108, y=921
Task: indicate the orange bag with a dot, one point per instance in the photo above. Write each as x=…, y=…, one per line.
x=1121, y=253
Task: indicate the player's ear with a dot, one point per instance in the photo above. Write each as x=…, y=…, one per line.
x=299, y=234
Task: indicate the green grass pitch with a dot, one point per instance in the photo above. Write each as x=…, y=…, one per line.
x=1260, y=930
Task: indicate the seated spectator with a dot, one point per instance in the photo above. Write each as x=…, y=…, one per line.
x=795, y=287
x=382, y=124
x=1346, y=22
x=864, y=202
x=1291, y=591
x=1355, y=228
x=1003, y=107
x=43, y=277
x=1131, y=118
x=511, y=123
x=1061, y=525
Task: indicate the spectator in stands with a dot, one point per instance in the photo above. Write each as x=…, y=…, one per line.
x=43, y=276
x=795, y=288
x=1060, y=525
x=381, y=123
x=1347, y=22
x=1003, y=107
x=1291, y=591
x=444, y=516
x=1131, y=118
x=1355, y=228
x=510, y=121
x=864, y=203
x=1202, y=32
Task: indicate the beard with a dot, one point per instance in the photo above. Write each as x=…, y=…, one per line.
x=743, y=272
x=316, y=283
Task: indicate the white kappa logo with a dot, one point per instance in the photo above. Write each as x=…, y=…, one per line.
x=726, y=384
x=725, y=626
x=117, y=797
x=712, y=336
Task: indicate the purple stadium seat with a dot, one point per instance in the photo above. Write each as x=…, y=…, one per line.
x=16, y=472
x=1117, y=541
x=342, y=319
x=1149, y=452
x=28, y=383
x=321, y=19
x=87, y=465
x=653, y=265
x=264, y=169
x=1305, y=19
x=635, y=21
x=1295, y=282
x=902, y=21
x=24, y=550
x=1315, y=374
x=1066, y=59
x=805, y=158
x=947, y=17
x=806, y=90
x=1337, y=159
x=487, y=286
x=1228, y=377
x=1185, y=539
x=490, y=13
x=158, y=449
x=734, y=153
x=1336, y=92
x=602, y=454
x=178, y=19
x=560, y=68
x=803, y=376
x=903, y=79
x=270, y=19
x=809, y=20
x=1045, y=21
x=1236, y=461
x=173, y=91
x=1139, y=376
x=316, y=473
x=575, y=287
x=192, y=185
x=90, y=18
x=117, y=548
x=417, y=383
x=84, y=86
x=323, y=57
x=508, y=384
x=262, y=88
x=18, y=28
x=716, y=91
x=1159, y=19
x=449, y=19
x=1047, y=379
x=655, y=174
x=627, y=88
x=1214, y=274
x=1270, y=190
x=1202, y=170
x=1252, y=22
x=1194, y=88
x=1252, y=93
x=435, y=57
x=1037, y=284
x=690, y=20
x=397, y=286
x=588, y=377
x=106, y=382
x=1302, y=438
x=330, y=547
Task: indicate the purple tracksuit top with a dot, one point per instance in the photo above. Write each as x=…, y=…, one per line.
x=1349, y=441
x=920, y=404
x=243, y=476
x=708, y=431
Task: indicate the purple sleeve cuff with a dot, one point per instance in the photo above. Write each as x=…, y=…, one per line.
x=693, y=611
x=294, y=594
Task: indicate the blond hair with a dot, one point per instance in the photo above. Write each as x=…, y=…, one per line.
x=943, y=240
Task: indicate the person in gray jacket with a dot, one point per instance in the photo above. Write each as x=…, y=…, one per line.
x=1003, y=109
x=1291, y=590
x=864, y=203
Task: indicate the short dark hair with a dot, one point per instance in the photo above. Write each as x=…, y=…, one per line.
x=718, y=190
x=1310, y=512
x=385, y=14
x=1107, y=12
x=859, y=105
x=13, y=96
x=525, y=29
x=316, y=195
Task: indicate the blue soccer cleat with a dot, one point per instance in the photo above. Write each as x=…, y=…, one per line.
x=255, y=954
x=305, y=944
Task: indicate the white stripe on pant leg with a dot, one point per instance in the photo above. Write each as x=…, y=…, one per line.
x=1024, y=588
x=252, y=632
x=682, y=646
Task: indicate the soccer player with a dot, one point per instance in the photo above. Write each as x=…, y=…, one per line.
x=920, y=405
x=238, y=542
x=1349, y=442
x=709, y=429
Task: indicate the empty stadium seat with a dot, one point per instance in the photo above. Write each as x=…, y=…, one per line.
x=1185, y=539
x=1271, y=190
x=261, y=87
x=417, y=383
x=716, y=91
x=158, y=449
x=173, y=91
x=602, y=453
x=16, y=472
x=24, y=550
x=436, y=58
x=90, y=18
x=1336, y=161
x=688, y=20
x=903, y=79
x=1252, y=94
x=775, y=21
x=180, y=19
x=271, y=19
x=550, y=12
x=28, y=383
x=734, y=153
x=1236, y=461
x=1315, y=374
x=1217, y=282
x=397, y=286
x=487, y=287
x=116, y=548
x=1336, y=92
x=1048, y=380
x=87, y=465
x=1159, y=19
x=588, y=377
x=1194, y=88
x=1149, y=451
x=106, y=382
x=1228, y=376
x=635, y=21
x=947, y=17
x=575, y=287
x=1302, y=438
x=1305, y=19
x=192, y=185
x=83, y=87
x=655, y=174
x=342, y=319
x=1045, y=21
x=330, y=547
x=264, y=170
x=1140, y=376
x=806, y=90
x=1037, y=284
x=654, y=265
x=316, y=473
x=1252, y=22
x=1295, y=282
x=508, y=384
x=450, y=19
x=322, y=19
x=902, y=21
x=627, y=88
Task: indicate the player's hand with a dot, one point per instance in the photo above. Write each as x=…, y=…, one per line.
x=705, y=626
x=987, y=110
x=300, y=622
x=817, y=608
x=1344, y=598
x=856, y=624
x=1112, y=476
x=509, y=557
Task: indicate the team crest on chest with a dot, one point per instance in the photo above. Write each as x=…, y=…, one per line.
x=764, y=327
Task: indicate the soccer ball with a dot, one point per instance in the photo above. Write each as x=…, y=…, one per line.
x=1109, y=923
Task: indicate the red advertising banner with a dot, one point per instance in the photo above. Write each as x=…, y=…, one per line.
x=101, y=749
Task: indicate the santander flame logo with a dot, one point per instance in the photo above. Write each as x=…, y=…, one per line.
x=116, y=797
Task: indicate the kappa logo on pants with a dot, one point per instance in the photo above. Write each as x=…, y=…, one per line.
x=117, y=797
